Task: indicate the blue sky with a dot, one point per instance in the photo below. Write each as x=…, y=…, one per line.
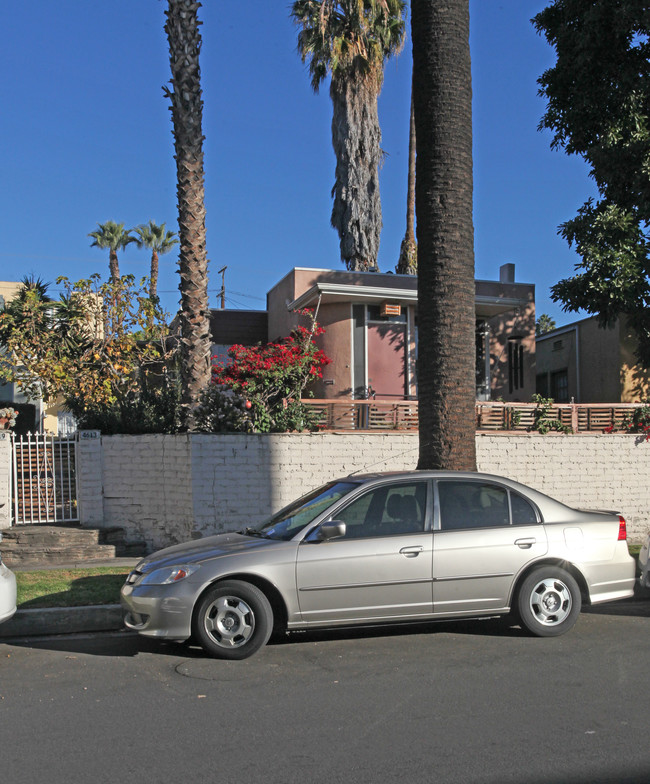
x=86, y=137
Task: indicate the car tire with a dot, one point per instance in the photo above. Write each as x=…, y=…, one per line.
x=548, y=602
x=232, y=620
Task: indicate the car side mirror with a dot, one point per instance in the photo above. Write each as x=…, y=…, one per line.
x=331, y=530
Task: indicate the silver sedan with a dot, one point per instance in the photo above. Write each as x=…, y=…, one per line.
x=385, y=548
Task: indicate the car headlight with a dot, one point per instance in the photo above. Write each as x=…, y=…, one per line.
x=168, y=575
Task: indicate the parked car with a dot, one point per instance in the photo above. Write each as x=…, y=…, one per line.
x=385, y=548
x=7, y=591
x=644, y=564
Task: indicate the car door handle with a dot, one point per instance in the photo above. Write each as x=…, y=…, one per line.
x=412, y=552
x=525, y=544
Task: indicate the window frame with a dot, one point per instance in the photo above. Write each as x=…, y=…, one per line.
x=387, y=487
x=437, y=516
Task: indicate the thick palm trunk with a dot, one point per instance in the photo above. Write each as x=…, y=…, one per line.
x=442, y=94
x=408, y=262
x=153, y=277
x=113, y=265
x=187, y=111
x=356, y=138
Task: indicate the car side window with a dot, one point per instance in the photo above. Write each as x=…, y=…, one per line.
x=472, y=505
x=523, y=512
x=387, y=510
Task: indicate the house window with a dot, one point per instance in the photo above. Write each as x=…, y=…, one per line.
x=515, y=364
x=482, y=360
x=557, y=345
x=542, y=385
x=560, y=386
x=220, y=356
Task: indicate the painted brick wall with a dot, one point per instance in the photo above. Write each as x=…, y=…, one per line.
x=589, y=471
x=166, y=489
x=147, y=485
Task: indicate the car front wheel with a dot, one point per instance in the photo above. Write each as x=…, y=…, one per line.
x=548, y=602
x=232, y=620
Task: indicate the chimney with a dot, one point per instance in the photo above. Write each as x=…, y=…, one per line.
x=507, y=273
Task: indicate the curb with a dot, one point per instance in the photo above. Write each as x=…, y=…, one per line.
x=108, y=617
x=63, y=620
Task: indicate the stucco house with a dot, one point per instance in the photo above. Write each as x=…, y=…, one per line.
x=370, y=322
x=586, y=363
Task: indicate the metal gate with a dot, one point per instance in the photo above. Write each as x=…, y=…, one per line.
x=44, y=479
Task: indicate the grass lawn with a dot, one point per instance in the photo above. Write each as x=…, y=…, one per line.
x=70, y=587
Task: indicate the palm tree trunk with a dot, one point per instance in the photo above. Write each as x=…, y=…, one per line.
x=153, y=277
x=408, y=263
x=356, y=138
x=182, y=28
x=113, y=265
x=442, y=95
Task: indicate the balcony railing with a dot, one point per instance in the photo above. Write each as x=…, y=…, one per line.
x=403, y=415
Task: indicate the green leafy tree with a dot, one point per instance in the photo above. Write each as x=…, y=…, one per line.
x=98, y=347
x=159, y=241
x=544, y=324
x=350, y=40
x=112, y=236
x=442, y=97
x=184, y=38
x=598, y=107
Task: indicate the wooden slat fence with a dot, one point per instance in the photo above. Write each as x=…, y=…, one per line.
x=403, y=415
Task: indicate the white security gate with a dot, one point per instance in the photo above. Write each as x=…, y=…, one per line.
x=44, y=479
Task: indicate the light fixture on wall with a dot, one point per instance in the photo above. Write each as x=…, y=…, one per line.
x=390, y=309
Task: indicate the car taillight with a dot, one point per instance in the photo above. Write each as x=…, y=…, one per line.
x=622, y=529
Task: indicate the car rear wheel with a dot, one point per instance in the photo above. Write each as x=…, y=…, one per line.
x=233, y=620
x=548, y=602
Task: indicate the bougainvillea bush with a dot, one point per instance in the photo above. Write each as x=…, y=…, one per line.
x=639, y=422
x=271, y=379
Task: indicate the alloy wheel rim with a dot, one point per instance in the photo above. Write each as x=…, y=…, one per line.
x=229, y=621
x=550, y=601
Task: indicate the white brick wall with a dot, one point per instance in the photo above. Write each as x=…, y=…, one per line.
x=166, y=489
x=590, y=470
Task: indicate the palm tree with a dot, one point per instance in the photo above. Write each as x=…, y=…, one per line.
x=182, y=28
x=407, y=264
x=442, y=97
x=350, y=40
x=114, y=237
x=160, y=241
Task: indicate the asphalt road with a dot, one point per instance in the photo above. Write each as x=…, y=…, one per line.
x=465, y=702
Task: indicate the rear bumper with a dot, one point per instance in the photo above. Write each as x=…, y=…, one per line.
x=608, y=582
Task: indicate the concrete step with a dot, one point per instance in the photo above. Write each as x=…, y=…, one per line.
x=48, y=555
x=47, y=545
x=35, y=535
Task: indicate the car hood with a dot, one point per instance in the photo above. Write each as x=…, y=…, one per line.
x=205, y=549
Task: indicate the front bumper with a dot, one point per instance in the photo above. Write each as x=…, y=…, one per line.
x=163, y=611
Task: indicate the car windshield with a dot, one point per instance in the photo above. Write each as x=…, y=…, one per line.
x=293, y=518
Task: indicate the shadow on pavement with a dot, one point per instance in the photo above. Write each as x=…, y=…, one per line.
x=130, y=644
